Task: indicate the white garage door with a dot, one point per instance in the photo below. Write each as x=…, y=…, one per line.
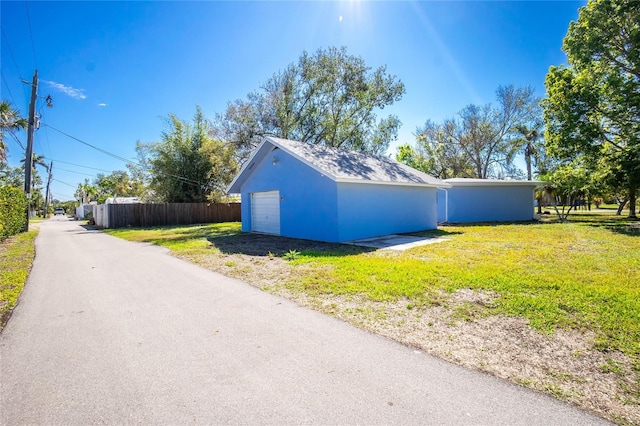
x=265, y=212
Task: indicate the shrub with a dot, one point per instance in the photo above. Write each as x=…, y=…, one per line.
x=13, y=203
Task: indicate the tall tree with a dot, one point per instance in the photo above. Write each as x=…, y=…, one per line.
x=327, y=98
x=486, y=133
x=482, y=140
x=593, y=104
x=188, y=165
x=10, y=121
x=529, y=138
x=438, y=152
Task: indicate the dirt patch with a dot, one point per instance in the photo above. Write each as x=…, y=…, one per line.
x=456, y=327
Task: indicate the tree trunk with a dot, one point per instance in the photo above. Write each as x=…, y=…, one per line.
x=621, y=207
x=632, y=203
x=527, y=159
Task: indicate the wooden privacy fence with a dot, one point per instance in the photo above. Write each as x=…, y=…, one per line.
x=146, y=215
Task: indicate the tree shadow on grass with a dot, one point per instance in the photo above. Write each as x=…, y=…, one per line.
x=606, y=220
x=254, y=244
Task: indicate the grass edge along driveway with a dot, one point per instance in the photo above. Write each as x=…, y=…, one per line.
x=16, y=257
x=581, y=277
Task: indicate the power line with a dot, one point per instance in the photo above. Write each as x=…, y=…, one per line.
x=11, y=54
x=117, y=157
x=65, y=183
x=33, y=46
x=6, y=41
x=79, y=165
x=110, y=154
x=73, y=171
x=16, y=139
x=13, y=101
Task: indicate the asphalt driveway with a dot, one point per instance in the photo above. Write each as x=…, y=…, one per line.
x=113, y=332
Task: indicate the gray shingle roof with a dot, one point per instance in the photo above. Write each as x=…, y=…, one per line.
x=349, y=165
x=342, y=166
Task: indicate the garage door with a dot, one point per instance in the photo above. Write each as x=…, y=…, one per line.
x=265, y=212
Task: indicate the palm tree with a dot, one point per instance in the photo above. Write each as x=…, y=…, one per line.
x=10, y=121
x=529, y=137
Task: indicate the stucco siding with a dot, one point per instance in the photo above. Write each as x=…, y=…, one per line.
x=307, y=198
x=366, y=210
x=442, y=204
x=490, y=204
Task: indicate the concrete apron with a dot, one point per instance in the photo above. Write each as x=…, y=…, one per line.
x=396, y=242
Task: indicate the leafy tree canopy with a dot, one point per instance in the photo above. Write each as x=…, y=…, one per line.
x=188, y=165
x=327, y=98
x=593, y=104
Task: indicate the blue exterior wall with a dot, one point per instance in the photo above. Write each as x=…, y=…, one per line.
x=490, y=203
x=366, y=210
x=442, y=205
x=308, y=200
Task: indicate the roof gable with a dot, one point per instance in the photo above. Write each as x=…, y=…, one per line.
x=339, y=165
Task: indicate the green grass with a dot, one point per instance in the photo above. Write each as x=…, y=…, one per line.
x=179, y=238
x=16, y=257
x=583, y=274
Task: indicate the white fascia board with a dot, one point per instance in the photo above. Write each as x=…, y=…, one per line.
x=391, y=183
x=489, y=182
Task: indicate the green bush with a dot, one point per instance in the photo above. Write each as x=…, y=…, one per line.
x=13, y=203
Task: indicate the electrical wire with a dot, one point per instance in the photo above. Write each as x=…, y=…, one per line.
x=73, y=171
x=117, y=157
x=33, y=46
x=79, y=165
x=64, y=183
x=13, y=101
x=6, y=41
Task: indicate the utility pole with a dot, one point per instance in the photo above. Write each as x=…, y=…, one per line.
x=46, y=198
x=28, y=161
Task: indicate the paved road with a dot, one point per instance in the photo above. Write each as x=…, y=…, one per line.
x=109, y=331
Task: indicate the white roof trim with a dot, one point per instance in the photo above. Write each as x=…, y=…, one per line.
x=377, y=182
x=490, y=182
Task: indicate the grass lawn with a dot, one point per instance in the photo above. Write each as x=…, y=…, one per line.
x=16, y=257
x=579, y=279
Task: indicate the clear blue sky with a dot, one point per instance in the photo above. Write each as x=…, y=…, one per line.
x=116, y=69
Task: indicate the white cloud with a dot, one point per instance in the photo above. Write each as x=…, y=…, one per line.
x=102, y=104
x=67, y=90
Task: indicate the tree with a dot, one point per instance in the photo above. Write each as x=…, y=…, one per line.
x=529, y=138
x=482, y=140
x=10, y=121
x=593, y=104
x=486, y=133
x=188, y=165
x=327, y=98
x=86, y=192
x=568, y=185
x=117, y=184
x=440, y=155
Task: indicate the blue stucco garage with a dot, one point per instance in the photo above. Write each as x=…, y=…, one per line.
x=314, y=192
x=486, y=200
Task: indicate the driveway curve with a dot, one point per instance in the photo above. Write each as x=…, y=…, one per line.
x=109, y=331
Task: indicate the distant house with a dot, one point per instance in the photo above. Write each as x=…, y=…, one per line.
x=314, y=192
x=486, y=200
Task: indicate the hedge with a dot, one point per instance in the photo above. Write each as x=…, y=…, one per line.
x=13, y=204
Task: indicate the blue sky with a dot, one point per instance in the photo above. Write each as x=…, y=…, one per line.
x=116, y=69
